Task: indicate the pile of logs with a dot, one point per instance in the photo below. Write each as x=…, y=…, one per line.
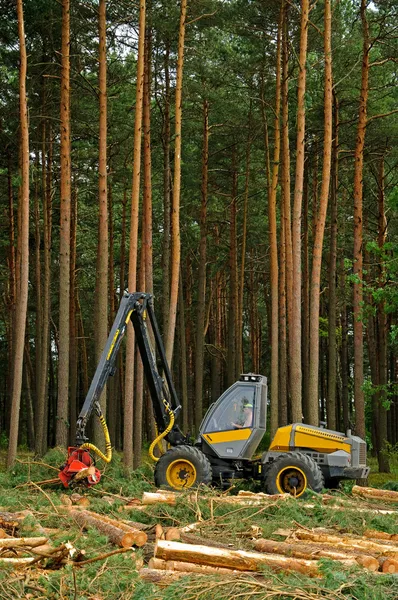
x=374, y=551
x=173, y=552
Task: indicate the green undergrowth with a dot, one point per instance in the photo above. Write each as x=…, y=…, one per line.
x=116, y=577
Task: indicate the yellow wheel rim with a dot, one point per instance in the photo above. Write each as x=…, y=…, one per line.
x=291, y=480
x=180, y=474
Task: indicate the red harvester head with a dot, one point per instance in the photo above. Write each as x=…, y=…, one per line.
x=79, y=468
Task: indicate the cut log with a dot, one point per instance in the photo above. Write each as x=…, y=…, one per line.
x=157, y=498
x=66, y=500
x=45, y=549
x=375, y=494
x=380, y=535
x=233, y=559
x=175, y=565
x=26, y=541
x=375, y=511
x=252, y=500
x=190, y=538
x=310, y=552
x=80, y=500
x=172, y=533
x=117, y=536
x=388, y=565
x=161, y=578
x=9, y=522
x=140, y=537
x=84, y=473
x=260, y=496
x=364, y=546
x=16, y=562
x=158, y=532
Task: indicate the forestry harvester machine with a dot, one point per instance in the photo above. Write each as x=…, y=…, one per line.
x=300, y=456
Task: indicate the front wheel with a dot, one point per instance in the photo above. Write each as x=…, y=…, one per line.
x=182, y=467
x=293, y=473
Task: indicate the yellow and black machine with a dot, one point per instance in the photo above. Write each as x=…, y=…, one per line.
x=300, y=456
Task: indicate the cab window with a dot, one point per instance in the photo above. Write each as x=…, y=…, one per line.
x=235, y=411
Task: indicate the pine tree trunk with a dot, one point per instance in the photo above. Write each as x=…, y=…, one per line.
x=313, y=393
x=73, y=348
x=22, y=297
x=38, y=281
x=133, y=252
x=272, y=225
x=183, y=362
x=286, y=211
x=332, y=337
x=175, y=208
x=166, y=194
x=233, y=290
x=282, y=412
x=382, y=456
x=239, y=340
x=344, y=360
x=145, y=278
x=305, y=315
x=64, y=243
x=295, y=354
x=201, y=301
x=42, y=367
x=113, y=385
x=359, y=400
x=102, y=258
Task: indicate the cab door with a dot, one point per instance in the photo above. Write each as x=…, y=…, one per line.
x=229, y=428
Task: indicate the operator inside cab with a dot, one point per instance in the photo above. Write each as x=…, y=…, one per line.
x=246, y=415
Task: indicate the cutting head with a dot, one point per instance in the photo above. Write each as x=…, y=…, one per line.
x=79, y=469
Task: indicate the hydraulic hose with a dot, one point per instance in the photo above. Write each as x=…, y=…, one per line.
x=108, y=446
x=160, y=437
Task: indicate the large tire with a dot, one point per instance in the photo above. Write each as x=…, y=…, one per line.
x=293, y=473
x=182, y=467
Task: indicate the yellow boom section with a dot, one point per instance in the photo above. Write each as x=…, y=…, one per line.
x=317, y=439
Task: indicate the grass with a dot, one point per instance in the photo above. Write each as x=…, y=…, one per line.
x=115, y=578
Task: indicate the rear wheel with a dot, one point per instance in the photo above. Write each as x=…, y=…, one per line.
x=293, y=473
x=182, y=467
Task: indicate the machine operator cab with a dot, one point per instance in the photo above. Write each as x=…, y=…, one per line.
x=234, y=426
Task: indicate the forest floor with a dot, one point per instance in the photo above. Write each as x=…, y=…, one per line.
x=116, y=577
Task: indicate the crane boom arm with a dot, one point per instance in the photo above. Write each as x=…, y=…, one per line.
x=137, y=307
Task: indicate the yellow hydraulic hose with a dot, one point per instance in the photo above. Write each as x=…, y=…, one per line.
x=169, y=427
x=108, y=446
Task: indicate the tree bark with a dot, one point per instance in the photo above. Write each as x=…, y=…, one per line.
x=286, y=226
x=133, y=252
x=73, y=349
x=201, y=302
x=116, y=535
x=272, y=225
x=382, y=456
x=308, y=551
x=359, y=399
x=64, y=243
x=166, y=195
x=295, y=356
x=331, y=407
x=102, y=257
x=233, y=282
x=22, y=296
x=42, y=373
x=175, y=208
x=313, y=391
